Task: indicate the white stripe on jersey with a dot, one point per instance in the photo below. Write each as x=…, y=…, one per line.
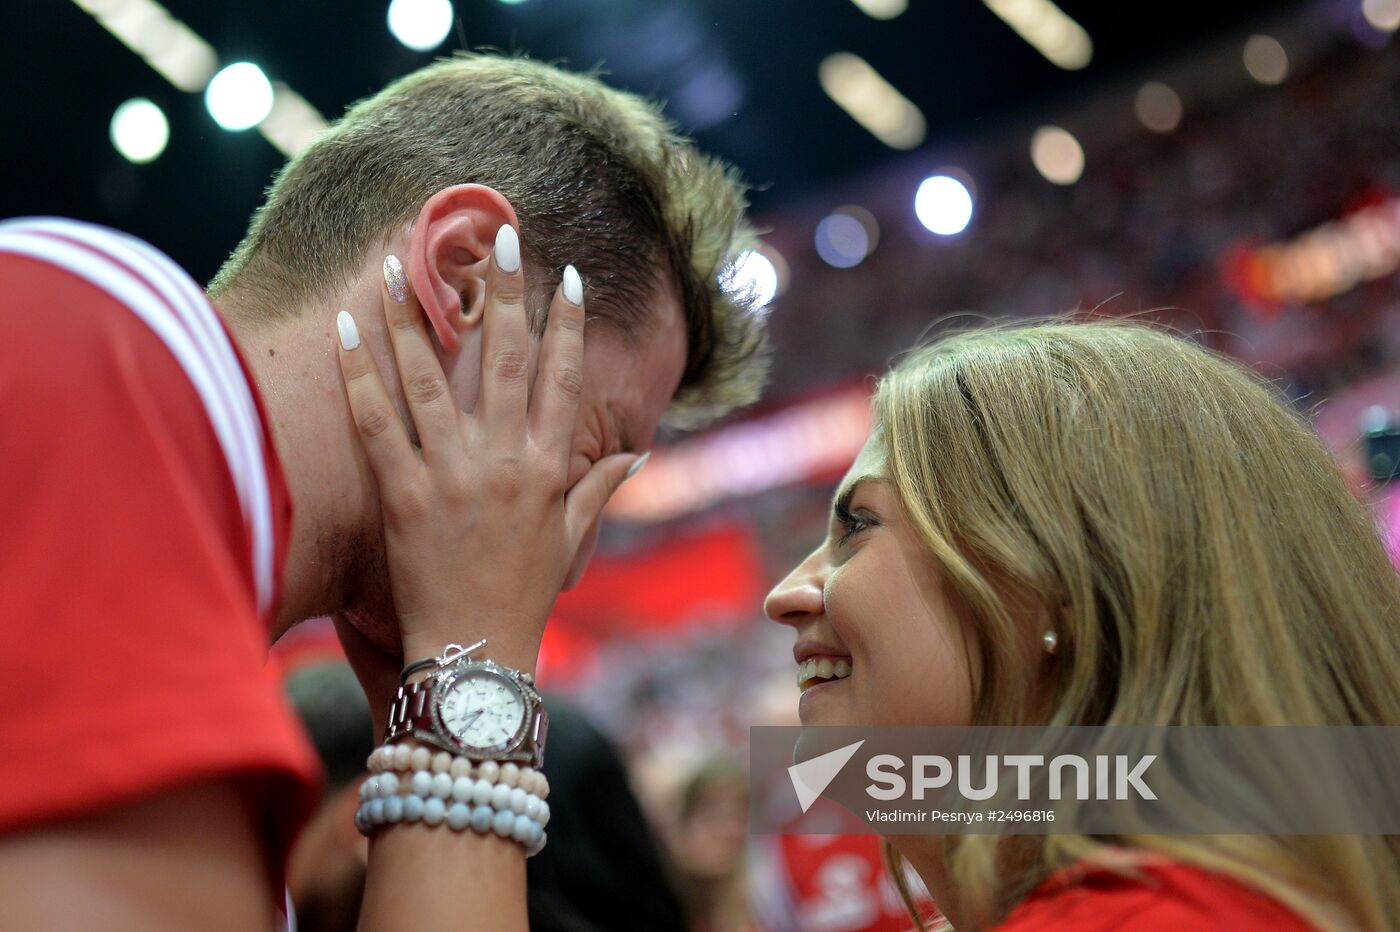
x=168, y=301
x=191, y=306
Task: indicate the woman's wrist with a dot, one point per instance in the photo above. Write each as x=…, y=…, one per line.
x=509, y=649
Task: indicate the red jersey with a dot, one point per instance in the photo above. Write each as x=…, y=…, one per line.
x=1164, y=897
x=143, y=522
x=830, y=883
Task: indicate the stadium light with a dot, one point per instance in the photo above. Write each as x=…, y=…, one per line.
x=239, y=96
x=140, y=131
x=1048, y=29
x=179, y=55
x=1158, y=107
x=846, y=236
x=871, y=101
x=163, y=42
x=753, y=276
x=1265, y=60
x=422, y=25
x=1057, y=155
x=1382, y=14
x=882, y=9
x=943, y=205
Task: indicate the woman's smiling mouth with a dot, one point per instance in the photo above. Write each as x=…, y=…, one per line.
x=822, y=669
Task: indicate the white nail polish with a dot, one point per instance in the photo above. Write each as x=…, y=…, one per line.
x=507, y=249
x=573, y=286
x=637, y=466
x=349, y=334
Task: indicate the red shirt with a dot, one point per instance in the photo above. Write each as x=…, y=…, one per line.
x=1165, y=898
x=143, y=522
x=832, y=883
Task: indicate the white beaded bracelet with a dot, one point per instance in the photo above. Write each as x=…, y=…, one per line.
x=443, y=786
x=432, y=811
x=404, y=758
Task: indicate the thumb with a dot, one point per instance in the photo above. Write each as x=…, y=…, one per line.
x=587, y=498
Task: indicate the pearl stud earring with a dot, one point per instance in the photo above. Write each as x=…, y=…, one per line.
x=1050, y=640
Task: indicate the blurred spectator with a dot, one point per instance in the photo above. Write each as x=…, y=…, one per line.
x=707, y=843
x=602, y=870
x=326, y=875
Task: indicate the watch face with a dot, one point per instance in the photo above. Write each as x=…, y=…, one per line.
x=484, y=710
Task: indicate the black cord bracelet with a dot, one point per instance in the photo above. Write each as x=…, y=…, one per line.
x=450, y=655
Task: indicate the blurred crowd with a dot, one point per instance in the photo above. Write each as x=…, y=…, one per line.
x=1152, y=225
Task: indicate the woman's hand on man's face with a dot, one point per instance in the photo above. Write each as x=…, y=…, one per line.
x=480, y=527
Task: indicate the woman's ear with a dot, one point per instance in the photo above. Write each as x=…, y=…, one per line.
x=451, y=242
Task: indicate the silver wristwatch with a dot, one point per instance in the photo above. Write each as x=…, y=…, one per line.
x=475, y=708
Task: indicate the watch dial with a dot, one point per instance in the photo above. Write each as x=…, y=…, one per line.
x=483, y=710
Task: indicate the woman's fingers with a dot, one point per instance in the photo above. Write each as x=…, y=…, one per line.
x=382, y=433
x=559, y=380
x=505, y=342
x=420, y=371
x=586, y=500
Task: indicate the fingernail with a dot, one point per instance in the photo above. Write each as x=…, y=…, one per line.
x=349, y=335
x=507, y=249
x=573, y=286
x=395, y=279
x=637, y=466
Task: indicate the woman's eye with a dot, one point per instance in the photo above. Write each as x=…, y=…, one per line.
x=851, y=526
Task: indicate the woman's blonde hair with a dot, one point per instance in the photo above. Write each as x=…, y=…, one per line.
x=1193, y=543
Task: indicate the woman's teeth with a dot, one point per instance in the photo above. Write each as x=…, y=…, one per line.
x=816, y=669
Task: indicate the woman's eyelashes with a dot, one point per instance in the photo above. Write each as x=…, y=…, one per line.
x=851, y=523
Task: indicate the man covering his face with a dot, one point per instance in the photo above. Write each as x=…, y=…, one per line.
x=183, y=481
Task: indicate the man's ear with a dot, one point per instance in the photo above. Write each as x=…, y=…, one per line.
x=452, y=239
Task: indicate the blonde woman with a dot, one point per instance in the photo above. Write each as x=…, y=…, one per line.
x=1102, y=524
x=1072, y=523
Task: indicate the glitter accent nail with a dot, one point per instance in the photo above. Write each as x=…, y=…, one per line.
x=395, y=279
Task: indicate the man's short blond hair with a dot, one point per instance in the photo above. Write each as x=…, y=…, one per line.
x=597, y=177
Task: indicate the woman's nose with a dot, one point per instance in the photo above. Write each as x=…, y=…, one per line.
x=798, y=596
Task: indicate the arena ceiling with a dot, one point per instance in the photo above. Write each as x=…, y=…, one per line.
x=741, y=73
